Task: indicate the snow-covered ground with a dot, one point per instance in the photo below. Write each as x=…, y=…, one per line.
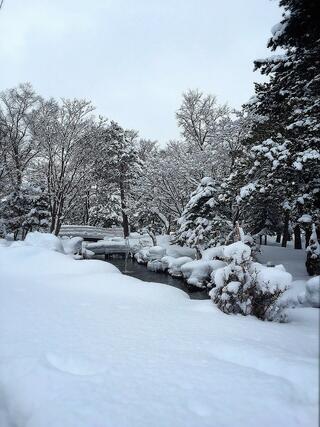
x=83, y=345
x=292, y=259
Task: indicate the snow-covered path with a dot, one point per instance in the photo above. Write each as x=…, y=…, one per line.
x=82, y=345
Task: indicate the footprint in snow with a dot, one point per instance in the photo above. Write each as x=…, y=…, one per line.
x=74, y=364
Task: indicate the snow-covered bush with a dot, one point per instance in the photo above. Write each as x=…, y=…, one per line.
x=313, y=254
x=247, y=288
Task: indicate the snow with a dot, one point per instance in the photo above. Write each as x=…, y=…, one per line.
x=164, y=248
x=142, y=256
x=247, y=189
x=272, y=277
x=83, y=345
x=173, y=265
x=312, y=294
x=175, y=251
x=157, y=252
x=199, y=271
x=72, y=245
x=237, y=251
x=211, y=253
x=293, y=260
x=44, y=240
x=155, y=265
x=305, y=218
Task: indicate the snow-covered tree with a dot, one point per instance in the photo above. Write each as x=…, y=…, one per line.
x=204, y=221
x=38, y=218
x=283, y=143
x=106, y=211
x=117, y=162
x=25, y=210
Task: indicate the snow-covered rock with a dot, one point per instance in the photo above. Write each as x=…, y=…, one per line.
x=156, y=252
x=142, y=256
x=155, y=265
x=198, y=272
x=72, y=245
x=173, y=265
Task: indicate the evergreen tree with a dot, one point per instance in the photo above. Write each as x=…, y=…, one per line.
x=118, y=163
x=283, y=143
x=38, y=217
x=25, y=210
x=205, y=220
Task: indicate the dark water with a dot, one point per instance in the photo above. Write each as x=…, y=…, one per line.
x=141, y=272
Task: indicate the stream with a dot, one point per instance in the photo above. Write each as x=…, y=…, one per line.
x=141, y=272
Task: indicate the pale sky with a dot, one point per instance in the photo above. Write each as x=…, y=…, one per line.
x=134, y=58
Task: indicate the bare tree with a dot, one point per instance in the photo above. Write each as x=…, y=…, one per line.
x=18, y=148
x=66, y=133
x=199, y=117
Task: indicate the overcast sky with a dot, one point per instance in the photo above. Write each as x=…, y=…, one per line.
x=134, y=58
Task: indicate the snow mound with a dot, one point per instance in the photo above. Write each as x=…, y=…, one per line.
x=44, y=240
x=157, y=252
x=173, y=265
x=144, y=255
x=72, y=245
x=198, y=272
x=212, y=253
x=155, y=265
x=83, y=345
x=312, y=295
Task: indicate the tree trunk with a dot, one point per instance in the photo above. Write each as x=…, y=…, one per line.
x=308, y=235
x=297, y=237
x=86, y=208
x=125, y=221
x=265, y=240
x=278, y=240
x=153, y=237
x=285, y=235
